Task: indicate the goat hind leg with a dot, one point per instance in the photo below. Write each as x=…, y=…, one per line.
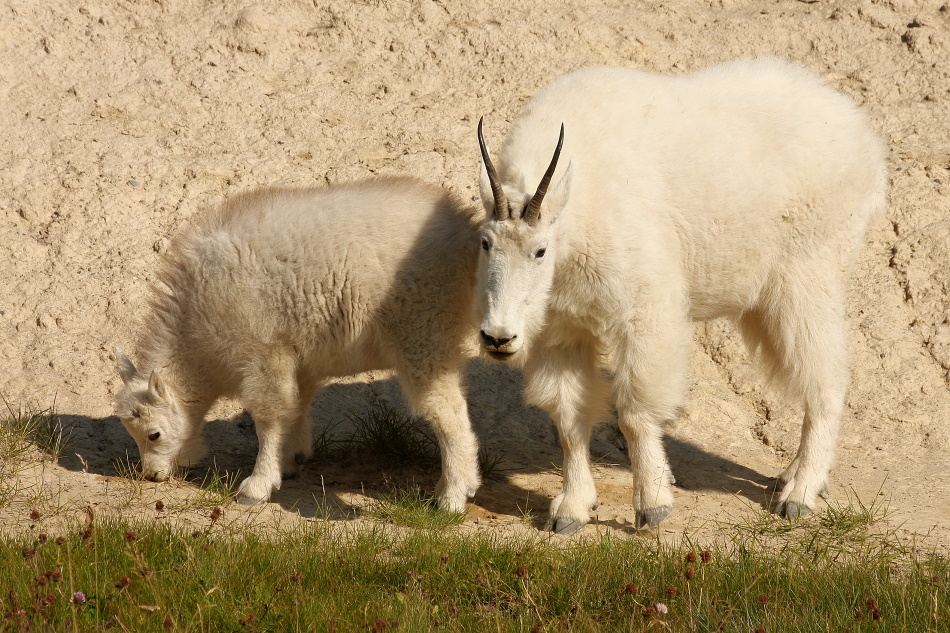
x=806, y=478
x=299, y=446
x=809, y=334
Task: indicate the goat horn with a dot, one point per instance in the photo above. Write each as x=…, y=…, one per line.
x=533, y=211
x=501, y=202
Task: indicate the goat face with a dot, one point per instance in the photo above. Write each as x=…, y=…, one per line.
x=515, y=273
x=154, y=418
x=519, y=252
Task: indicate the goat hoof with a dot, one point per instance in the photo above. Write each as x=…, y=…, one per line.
x=794, y=510
x=824, y=494
x=653, y=516
x=299, y=458
x=566, y=525
x=253, y=490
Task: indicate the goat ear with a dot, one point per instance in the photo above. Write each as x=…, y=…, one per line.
x=157, y=392
x=558, y=197
x=124, y=364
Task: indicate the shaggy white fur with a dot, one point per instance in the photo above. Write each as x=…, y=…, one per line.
x=281, y=289
x=741, y=191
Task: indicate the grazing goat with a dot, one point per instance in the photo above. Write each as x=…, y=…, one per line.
x=281, y=289
x=741, y=191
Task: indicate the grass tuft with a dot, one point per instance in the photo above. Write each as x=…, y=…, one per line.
x=393, y=437
x=216, y=488
x=409, y=507
x=489, y=464
x=325, y=443
x=851, y=531
x=26, y=426
x=28, y=436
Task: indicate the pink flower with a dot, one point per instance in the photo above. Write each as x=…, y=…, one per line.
x=78, y=598
x=661, y=608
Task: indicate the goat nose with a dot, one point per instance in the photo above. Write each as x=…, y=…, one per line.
x=488, y=339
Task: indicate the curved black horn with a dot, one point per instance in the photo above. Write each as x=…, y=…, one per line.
x=533, y=211
x=501, y=202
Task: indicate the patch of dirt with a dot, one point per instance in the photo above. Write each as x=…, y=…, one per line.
x=123, y=119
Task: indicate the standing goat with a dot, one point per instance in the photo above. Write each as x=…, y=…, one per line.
x=282, y=289
x=741, y=191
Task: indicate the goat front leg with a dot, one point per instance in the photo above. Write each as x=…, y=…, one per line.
x=271, y=395
x=565, y=382
x=437, y=395
x=651, y=363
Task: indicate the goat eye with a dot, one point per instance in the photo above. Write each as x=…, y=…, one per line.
x=154, y=436
x=540, y=253
x=485, y=244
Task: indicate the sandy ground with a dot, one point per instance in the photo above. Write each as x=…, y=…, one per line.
x=121, y=119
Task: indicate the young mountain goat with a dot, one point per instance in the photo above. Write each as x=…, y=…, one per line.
x=742, y=191
x=283, y=288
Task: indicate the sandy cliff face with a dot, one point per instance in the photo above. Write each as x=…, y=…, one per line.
x=120, y=120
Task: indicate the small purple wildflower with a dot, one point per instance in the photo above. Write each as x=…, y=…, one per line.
x=78, y=598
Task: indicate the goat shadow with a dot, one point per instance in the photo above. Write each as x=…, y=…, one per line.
x=523, y=440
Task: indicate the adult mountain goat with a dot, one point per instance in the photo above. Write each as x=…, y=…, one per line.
x=741, y=191
x=281, y=289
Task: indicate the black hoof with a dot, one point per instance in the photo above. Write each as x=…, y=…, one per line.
x=793, y=511
x=653, y=516
x=300, y=459
x=566, y=525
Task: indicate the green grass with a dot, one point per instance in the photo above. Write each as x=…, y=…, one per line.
x=216, y=488
x=412, y=567
x=26, y=427
x=330, y=577
x=409, y=507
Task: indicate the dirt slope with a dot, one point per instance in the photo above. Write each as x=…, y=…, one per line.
x=122, y=119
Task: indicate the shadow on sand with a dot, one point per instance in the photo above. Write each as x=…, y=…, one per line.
x=523, y=438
